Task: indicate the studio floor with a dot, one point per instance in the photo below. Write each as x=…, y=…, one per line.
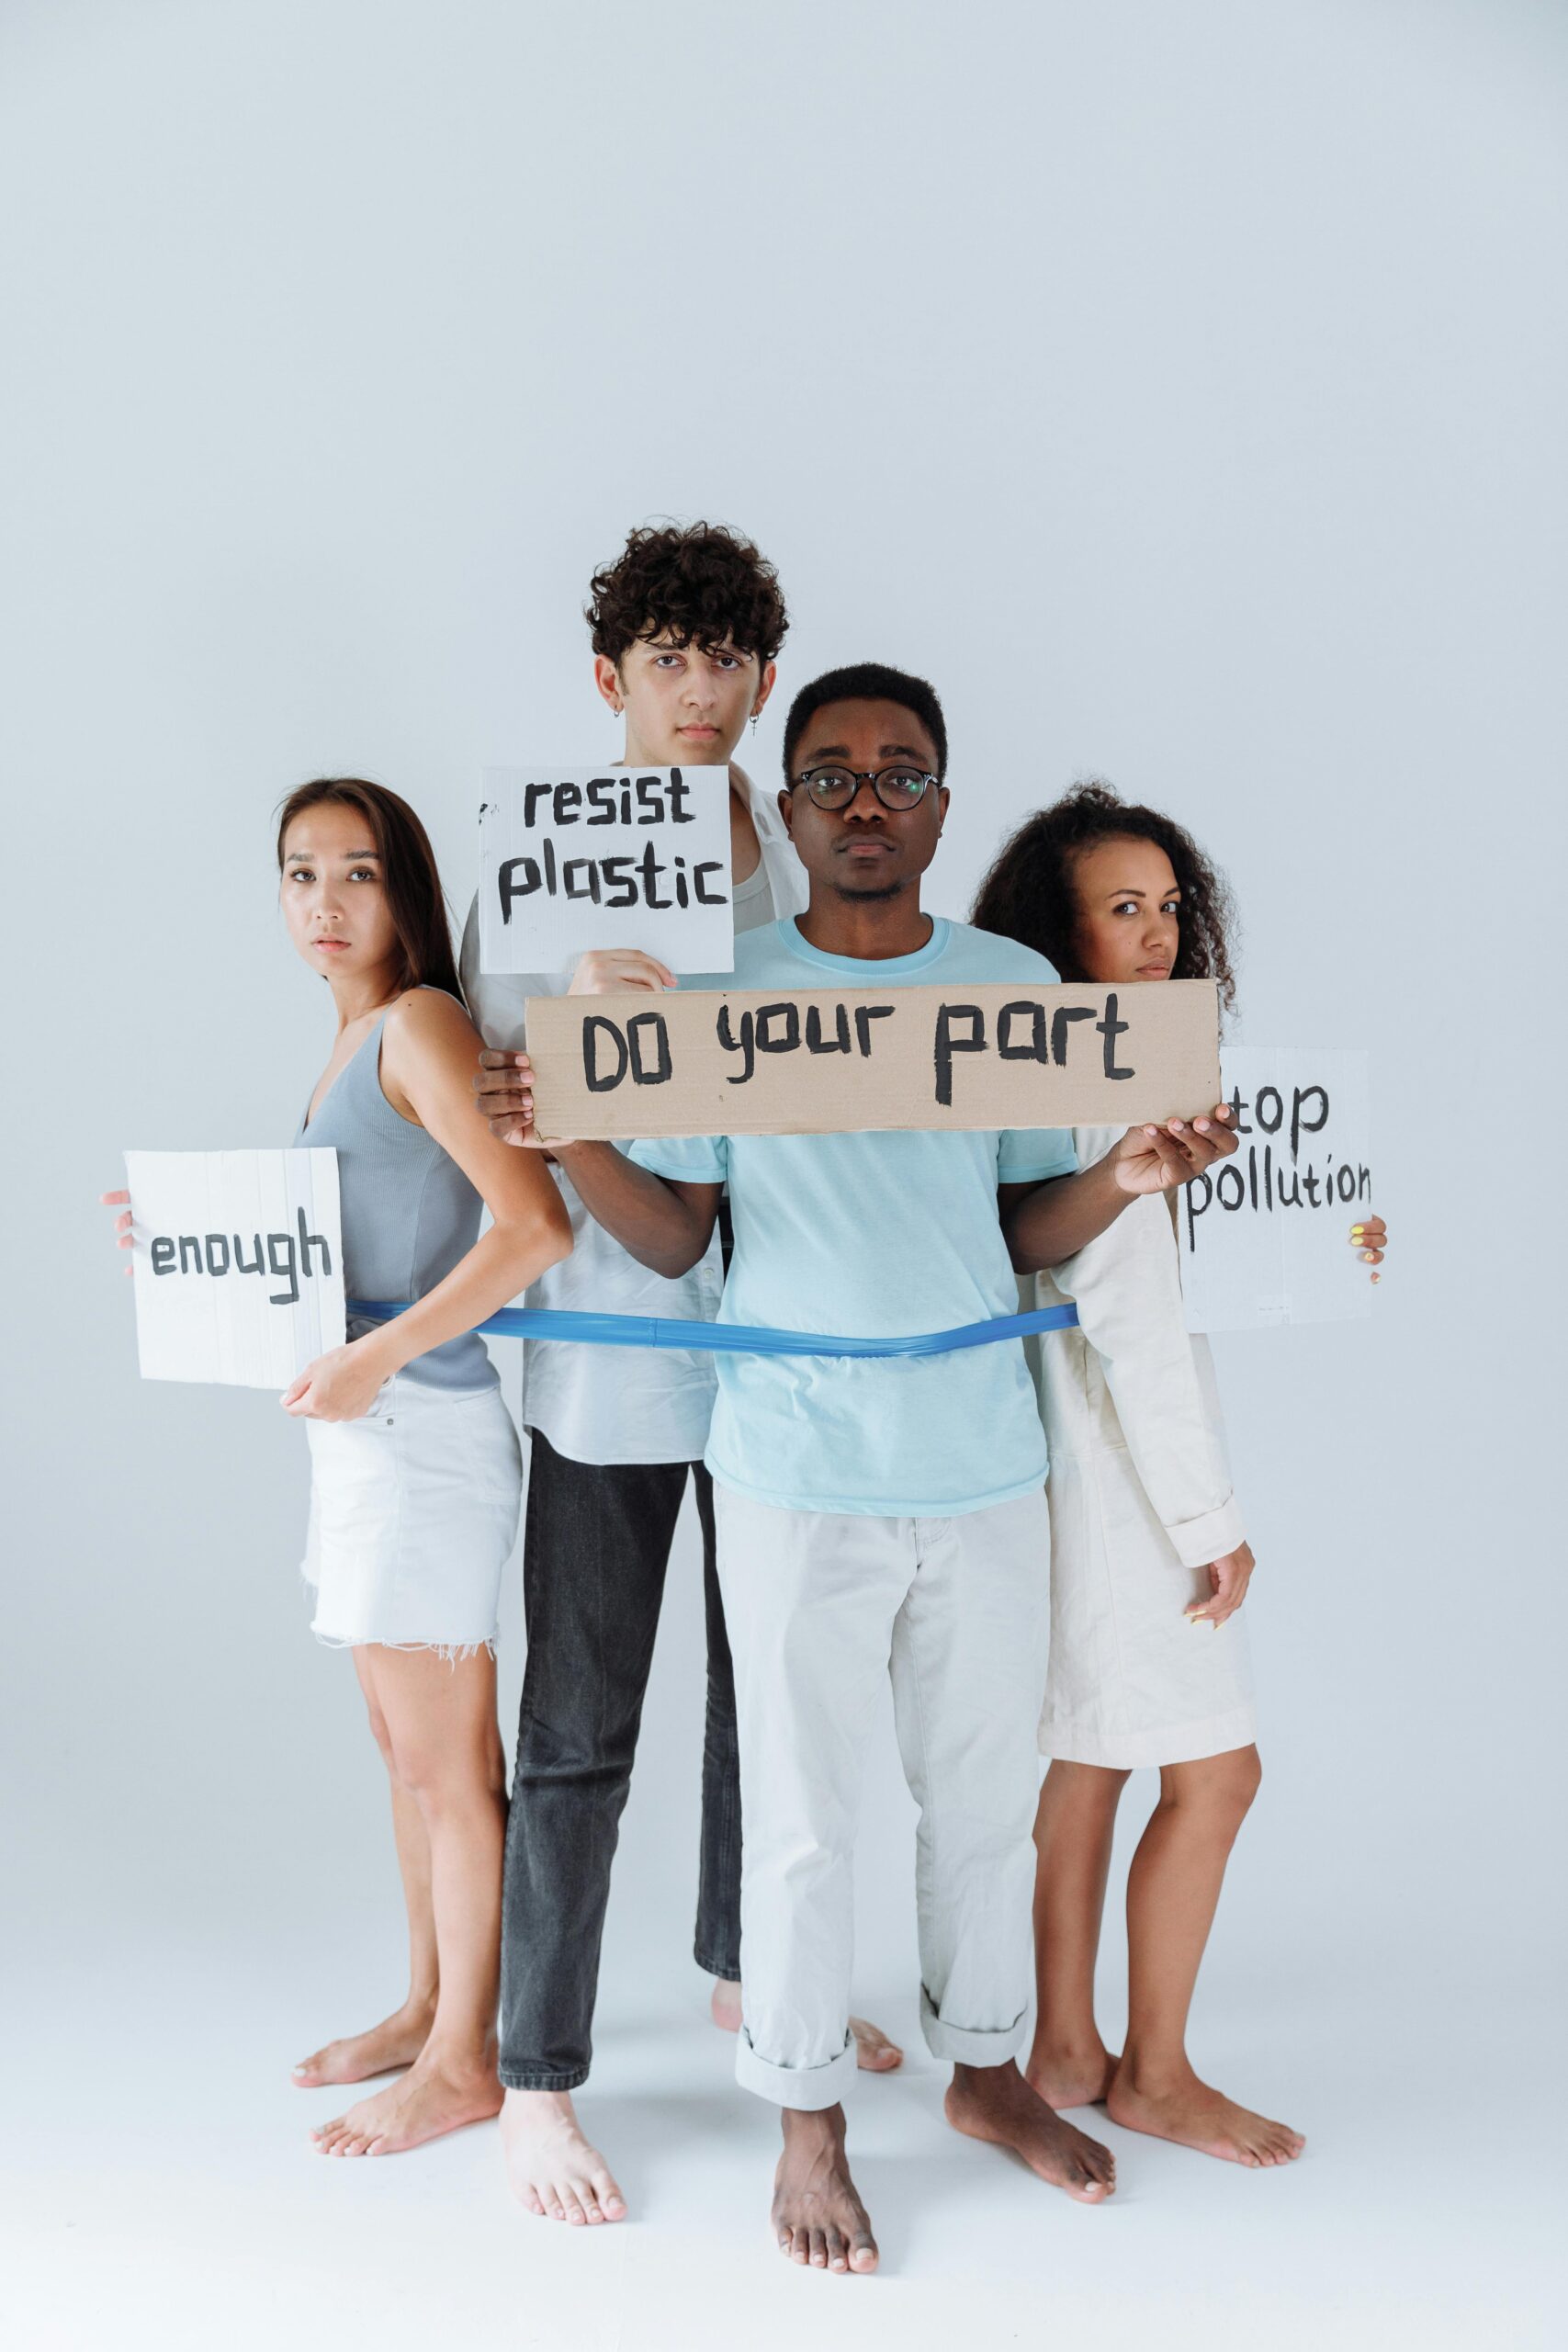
x=161, y=2191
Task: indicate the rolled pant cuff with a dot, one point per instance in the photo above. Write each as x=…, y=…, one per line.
x=963, y=2045
x=724, y=1965
x=808, y=2088
x=536, y=2078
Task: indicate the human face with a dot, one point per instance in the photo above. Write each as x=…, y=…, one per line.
x=864, y=850
x=1129, y=910
x=685, y=706
x=334, y=900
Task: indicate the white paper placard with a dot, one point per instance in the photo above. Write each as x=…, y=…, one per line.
x=1265, y=1239
x=576, y=858
x=238, y=1263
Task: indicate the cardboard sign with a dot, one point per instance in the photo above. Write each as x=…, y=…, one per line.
x=1265, y=1237
x=572, y=859
x=238, y=1263
x=748, y=1061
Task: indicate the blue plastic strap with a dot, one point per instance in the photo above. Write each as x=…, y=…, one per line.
x=734, y=1339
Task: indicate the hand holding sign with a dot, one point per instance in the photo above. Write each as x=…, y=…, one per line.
x=1158, y=1158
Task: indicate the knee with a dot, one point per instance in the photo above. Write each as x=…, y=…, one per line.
x=381, y=1736
x=1223, y=1787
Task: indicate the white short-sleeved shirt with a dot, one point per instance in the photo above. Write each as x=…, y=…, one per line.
x=606, y=1405
x=873, y=1235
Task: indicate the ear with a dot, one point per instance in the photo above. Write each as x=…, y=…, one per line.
x=942, y=798
x=786, y=810
x=607, y=678
x=770, y=672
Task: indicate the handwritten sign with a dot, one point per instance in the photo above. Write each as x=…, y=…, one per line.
x=238, y=1263
x=1265, y=1239
x=722, y=1061
x=634, y=857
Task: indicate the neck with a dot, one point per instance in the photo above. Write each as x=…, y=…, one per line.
x=874, y=929
x=364, y=993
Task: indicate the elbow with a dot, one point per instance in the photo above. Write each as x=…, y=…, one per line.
x=540, y=1240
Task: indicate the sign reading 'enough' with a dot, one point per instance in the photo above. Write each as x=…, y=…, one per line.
x=744, y=1061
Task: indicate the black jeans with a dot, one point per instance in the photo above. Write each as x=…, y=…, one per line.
x=596, y=1544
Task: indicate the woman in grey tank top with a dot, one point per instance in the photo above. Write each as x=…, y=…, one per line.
x=416, y=1471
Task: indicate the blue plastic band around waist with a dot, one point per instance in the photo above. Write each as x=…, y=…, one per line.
x=734, y=1339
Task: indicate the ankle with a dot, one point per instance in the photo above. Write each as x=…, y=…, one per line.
x=419, y=2004
x=1154, y=2072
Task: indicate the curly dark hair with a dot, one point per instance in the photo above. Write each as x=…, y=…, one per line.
x=1028, y=894
x=696, y=584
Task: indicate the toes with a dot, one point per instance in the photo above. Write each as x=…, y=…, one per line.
x=574, y=2212
x=612, y=2204
x=862, y=2251
x=838, y=2252
x=818, y=2254
x=530, y=2198
x=800, y=2245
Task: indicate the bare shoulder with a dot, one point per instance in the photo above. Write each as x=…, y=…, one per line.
x=428, y=1029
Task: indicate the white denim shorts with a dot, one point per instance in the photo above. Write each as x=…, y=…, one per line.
x=413, y=1513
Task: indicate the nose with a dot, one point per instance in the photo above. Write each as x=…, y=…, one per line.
x=865, y=805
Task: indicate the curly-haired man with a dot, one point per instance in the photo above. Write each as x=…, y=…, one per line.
x=686, y=625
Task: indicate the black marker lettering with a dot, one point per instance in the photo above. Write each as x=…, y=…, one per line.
x=1308, y=1185
x=617, y=875
x=649, y=867
x=1195, y=1207
x=732, y=1045
x=1038, y=1049
x=597, y=1082
x=706, y=897
x=511, y=887
x=789, y=1013
x=641, y=1074
x=309, y=1241
x=1111, y=1029
x=567, y=800
x=651, y=807
x=679, y=793
x=947, y=1044
x=601, y=798
x=1301, y=1096
x=274, y=1242
x=532, y=795
x=163, y=1255
x=188, y=1241
x=815, y=1041
x=1059, y=1020
x=1236, y=1179
x=865, y=1016
x=1346, y=1180
x=216, y=1241
x=255, y=1265
x=1270, y=1126
x=1364, y=1182
x=1238, y=1112
x=588, y=866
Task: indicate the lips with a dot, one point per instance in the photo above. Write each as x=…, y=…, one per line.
x=331, y=943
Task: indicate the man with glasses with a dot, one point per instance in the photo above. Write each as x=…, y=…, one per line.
x=884, y=1515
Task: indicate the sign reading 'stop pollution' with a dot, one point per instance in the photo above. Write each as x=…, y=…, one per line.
x=238, y=1263
x=573, y=859
x=748, y=1062
x=1265, y=1237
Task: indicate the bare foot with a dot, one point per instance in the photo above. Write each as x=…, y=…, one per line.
x=436, y=2096
x=1188, y=2111
x=817, y=2217
x=875, y=2052
x=995, y=2103
x=396, y=2042
x=552, y=2169
x=1070, y=2077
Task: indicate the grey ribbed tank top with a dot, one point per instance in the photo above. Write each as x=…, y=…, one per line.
x=409, y=1212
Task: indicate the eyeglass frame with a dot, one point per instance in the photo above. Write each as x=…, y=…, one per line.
x=867, y=775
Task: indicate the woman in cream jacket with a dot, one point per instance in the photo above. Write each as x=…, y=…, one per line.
x=1149, y=1561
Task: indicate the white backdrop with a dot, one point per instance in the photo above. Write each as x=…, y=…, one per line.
x=1182, y=390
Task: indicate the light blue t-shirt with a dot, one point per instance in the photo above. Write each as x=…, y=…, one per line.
x=871, y=1234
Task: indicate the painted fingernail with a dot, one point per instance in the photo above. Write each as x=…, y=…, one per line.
x=1377, y=1278
x=1357, y=1231
x=1369, y=1257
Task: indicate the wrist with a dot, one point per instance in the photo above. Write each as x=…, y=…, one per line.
x=381, y=1351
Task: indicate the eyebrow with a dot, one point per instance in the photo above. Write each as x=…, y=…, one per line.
x=886, y=751
x=348, y=856
x=1174, y=892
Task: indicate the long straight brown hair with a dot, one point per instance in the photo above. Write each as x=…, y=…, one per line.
x=409, y=874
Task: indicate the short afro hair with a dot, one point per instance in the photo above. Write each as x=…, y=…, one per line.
x=696, y=584
x=865, y=682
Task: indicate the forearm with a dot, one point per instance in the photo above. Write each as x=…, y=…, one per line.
x=503, y=1262
x=649, y=1217
x=1062, y=1216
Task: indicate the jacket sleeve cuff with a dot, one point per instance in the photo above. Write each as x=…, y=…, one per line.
x=1198, y=1540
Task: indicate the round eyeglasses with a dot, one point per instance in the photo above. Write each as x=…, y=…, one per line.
x=895, y=787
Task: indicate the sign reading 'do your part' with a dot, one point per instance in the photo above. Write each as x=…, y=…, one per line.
x=572, y=859
x=746, y=1062
x=238, y=1263
x=1265, y=1239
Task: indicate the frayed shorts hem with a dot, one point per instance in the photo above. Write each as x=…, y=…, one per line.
x=452, y=1653
x=809, y=2088
x=963, y=2045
